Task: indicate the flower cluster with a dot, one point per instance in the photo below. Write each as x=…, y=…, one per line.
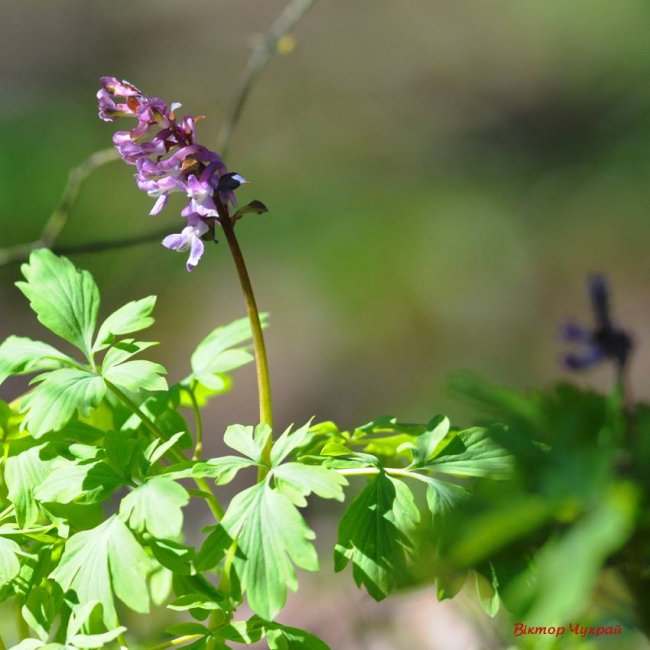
x=604, y=341
x=168, y=159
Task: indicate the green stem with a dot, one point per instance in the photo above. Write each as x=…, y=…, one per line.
x=392, y=471
x=212, y=501
x=176, y=642
x=2, y=643
x=21, y=624
x=263, y=381
x=198, y=423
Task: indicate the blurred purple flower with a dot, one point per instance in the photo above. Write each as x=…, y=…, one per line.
x=168, y=159
x=604, y=341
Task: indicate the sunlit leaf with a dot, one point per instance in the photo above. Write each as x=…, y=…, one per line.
x=156, y=507
x=53, y=402
x=132, y=317
x=20, y=355
x=375, y=535
x=103, y=563
x=65, y=299
x=272, y=536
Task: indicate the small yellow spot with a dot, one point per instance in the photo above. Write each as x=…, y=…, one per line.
x=286, y=44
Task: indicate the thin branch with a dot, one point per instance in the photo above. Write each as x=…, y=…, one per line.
x=260, y=56
x=62, y=212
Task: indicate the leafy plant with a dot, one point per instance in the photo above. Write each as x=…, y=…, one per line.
x=99, y=463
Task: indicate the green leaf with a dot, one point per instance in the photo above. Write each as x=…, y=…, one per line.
x=183, y=629
x=9, y=562
x=375, y=534
x=217, y=352
x=103, y=563
x=35, y=644
x=42, y=608
x=574, y=560
x=65, y=299
x=158, y=449
x=213, y=549
x=282, y=637
x=173, y=556
x=95, y=640
x=69, y=481
x=222, y=470
x=23, y=473
x=123, y=350
x=475, y=452
x=301, y=480
x=156, y=507
x=426, y=444
x=132, y=317
x=248, y=441
x=272, y=536
x=195, y=601
x=289, y=442
x=51, y=405
x=442, y=496
x=20, y=355
x=137, y=375
x=487, y=592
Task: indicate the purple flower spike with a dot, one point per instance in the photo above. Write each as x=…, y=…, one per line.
x=168, y=159
x=604, y=341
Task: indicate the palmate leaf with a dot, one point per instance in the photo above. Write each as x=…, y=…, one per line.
x=65, y=300
x=248, y=441
x=103, y=563
x=375, y=535
x=42, y=607
x=278, y=636
x=222, y=469
x=9, y=562
x=474, y=452
x=69, y=481
x=23, y=473
x=132, y=317
x=282, y=637
x=137, y=375
x=219, y=352
x=271, y=536
x=290, y=441
x=297, y=481
x=156, y=507
x=20, y=355
x=51, y=405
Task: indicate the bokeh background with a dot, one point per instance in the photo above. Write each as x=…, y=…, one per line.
x=441, y=178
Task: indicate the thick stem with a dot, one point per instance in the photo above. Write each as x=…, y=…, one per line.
x=263, y=381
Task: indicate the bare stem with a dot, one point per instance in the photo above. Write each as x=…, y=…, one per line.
x=263, y=381
x=62, y=212
x=260, y=56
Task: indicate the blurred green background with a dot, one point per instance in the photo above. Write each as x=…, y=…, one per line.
x=441, y=178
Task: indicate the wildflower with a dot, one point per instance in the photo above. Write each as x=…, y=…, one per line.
x=605, y=341
x=167, y=158
x=189, y=239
